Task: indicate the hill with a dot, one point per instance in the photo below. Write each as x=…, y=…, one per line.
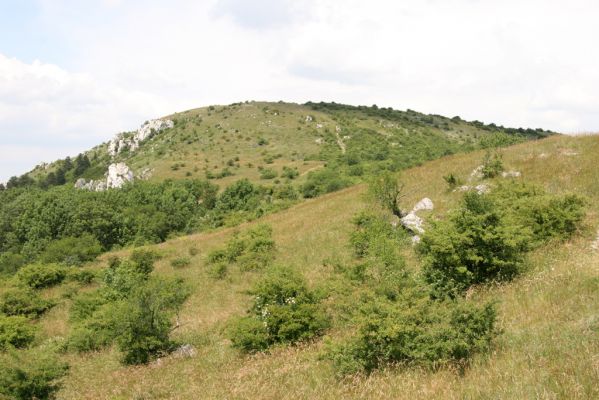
x=255, y=140
x=547, y=316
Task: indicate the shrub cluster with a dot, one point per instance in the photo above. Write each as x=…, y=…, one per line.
x=132, y=309
x=283, y=311
x=395, y=320
x=487, y=237
x=39, y=276
x=23, y=301
x=32, y=374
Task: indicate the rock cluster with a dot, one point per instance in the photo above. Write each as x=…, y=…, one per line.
x=117, y=176
x=120, y=141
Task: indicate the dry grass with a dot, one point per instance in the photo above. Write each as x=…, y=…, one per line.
x=549, y=348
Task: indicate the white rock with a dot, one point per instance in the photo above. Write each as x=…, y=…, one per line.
x=80, y=184
x=511, y=174
x=319, y=141
x=424, y=204
x=412, y=222
x=309, y=118
x=477, y=173
x=319, y=126
x=482, y=188
x=118, y=143
x=118, y=175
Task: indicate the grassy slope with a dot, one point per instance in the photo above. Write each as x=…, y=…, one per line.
x=549, y=347
x=209, y=138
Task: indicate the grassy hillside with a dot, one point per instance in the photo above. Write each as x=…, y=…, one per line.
x=548, y=316
x=227, y=143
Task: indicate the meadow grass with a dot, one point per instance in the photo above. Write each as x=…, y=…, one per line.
x=549, y=317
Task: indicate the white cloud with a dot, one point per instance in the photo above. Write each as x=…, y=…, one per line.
x=515, y=62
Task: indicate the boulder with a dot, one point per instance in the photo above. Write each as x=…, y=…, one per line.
x=412, y=222
x=118, y=175
x=424, y=204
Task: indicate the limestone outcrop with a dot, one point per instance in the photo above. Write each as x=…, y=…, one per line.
x=132, y=141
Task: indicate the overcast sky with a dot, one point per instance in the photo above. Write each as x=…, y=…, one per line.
x=75, y=72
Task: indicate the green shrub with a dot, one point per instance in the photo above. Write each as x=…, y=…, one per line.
x=452, y=180
x=31, y=374
x=487, y=237
x=72, y=250
x=180, y=262
x=285, y=192
x=15, y=331
x=419, y=332
x=283, y=311
x=82, y=276
x=477, y=244
x=492, y=165
x=218, y=270
x=268, y=173
x=10, y=263
x=323, y=181
x=387, y=190
x=143, y=323
x=289, y=173
x=251, y=250
x=25, y=302
x=39, y=276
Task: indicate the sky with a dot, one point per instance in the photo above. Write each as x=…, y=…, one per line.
x=75, y=72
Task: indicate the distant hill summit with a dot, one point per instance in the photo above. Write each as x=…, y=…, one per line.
x=270, y=142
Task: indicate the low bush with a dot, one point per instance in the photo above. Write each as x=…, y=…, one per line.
x=180, y=262
x=492, y=165
x=268, y=173
x=10, y=263
x=25, y=302
x=487, y=237
x=15, y=332
x=323, y=181
x=132, y=308
x=72, y=250
x=251, y=250
x=283, y=311
x=289, y=173
x=418, y=332
x=34, y=374
x=39, y=276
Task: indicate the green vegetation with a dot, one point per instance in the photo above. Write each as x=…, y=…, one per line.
x=486, y=238
x=283, y=311
x=35, y=374
x=133, y=309
x=327, y=298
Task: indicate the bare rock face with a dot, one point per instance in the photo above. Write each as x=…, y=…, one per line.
x=92, y=185
x=118, y=175
x=120, y=141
